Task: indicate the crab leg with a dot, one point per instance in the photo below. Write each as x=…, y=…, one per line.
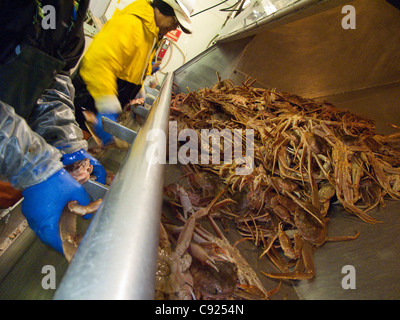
x=80, y=210
x=306, y=260
x=199, y=253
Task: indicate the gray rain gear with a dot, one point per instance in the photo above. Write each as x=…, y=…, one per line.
x=29, y=154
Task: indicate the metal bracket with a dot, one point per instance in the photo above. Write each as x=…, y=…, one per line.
x=150, y=96
x=150, y=92
x=95, y=189
x=118, y=130
x=140, y=110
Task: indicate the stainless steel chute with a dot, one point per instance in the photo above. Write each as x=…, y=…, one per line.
x=313, y=56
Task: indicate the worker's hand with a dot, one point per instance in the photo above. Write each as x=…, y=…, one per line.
x=155, y=66
x=98, y=169
x=108, y=104
x=109, y=107
x=44, y=202
x=105, y=137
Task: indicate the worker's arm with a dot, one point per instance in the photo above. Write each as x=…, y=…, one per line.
x=32, y=165
x=25, y=157
x=53, y=118
x=119, y=45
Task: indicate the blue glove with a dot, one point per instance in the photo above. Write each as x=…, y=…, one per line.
x=98, y=169
x=44, y=202
x=155, y=66
x=105, y=137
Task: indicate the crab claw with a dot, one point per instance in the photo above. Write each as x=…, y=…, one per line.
x=200, y=254
x=215, y=251
x=210, y=262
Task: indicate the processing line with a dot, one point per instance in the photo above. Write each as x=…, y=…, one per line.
x=119, y=252
x=289, y=50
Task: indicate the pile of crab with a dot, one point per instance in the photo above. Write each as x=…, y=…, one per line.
x=195, y=264
x=307, y=154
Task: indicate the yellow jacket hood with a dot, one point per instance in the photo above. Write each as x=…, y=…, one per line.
x=140, y=9
x=122, y=49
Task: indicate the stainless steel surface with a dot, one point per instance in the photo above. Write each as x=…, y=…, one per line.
x=260, y=17
x=117, y=257
x=12, y=223
x=380, y=103
x=95, y=189
x=22, y=263
x=312, y=57
x=151, y=95
x=374, y=255
x=118, y=130
x=141, y=110
x=202, y=70
x=315, y=56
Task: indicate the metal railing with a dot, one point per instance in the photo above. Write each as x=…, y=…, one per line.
x=118, y=255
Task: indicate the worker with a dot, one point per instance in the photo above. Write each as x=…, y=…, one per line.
x=38, y=131
x=120, y=56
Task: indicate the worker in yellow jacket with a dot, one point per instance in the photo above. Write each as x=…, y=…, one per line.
x=120, y=55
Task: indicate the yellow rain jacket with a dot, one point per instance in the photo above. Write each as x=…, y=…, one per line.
x=122, y=49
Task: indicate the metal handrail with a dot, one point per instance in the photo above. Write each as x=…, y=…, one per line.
x=117, y=257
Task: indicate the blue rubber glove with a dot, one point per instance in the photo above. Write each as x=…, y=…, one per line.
x=44, y=202
x=155, y=66
x=105, y=137
x=98, y=169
